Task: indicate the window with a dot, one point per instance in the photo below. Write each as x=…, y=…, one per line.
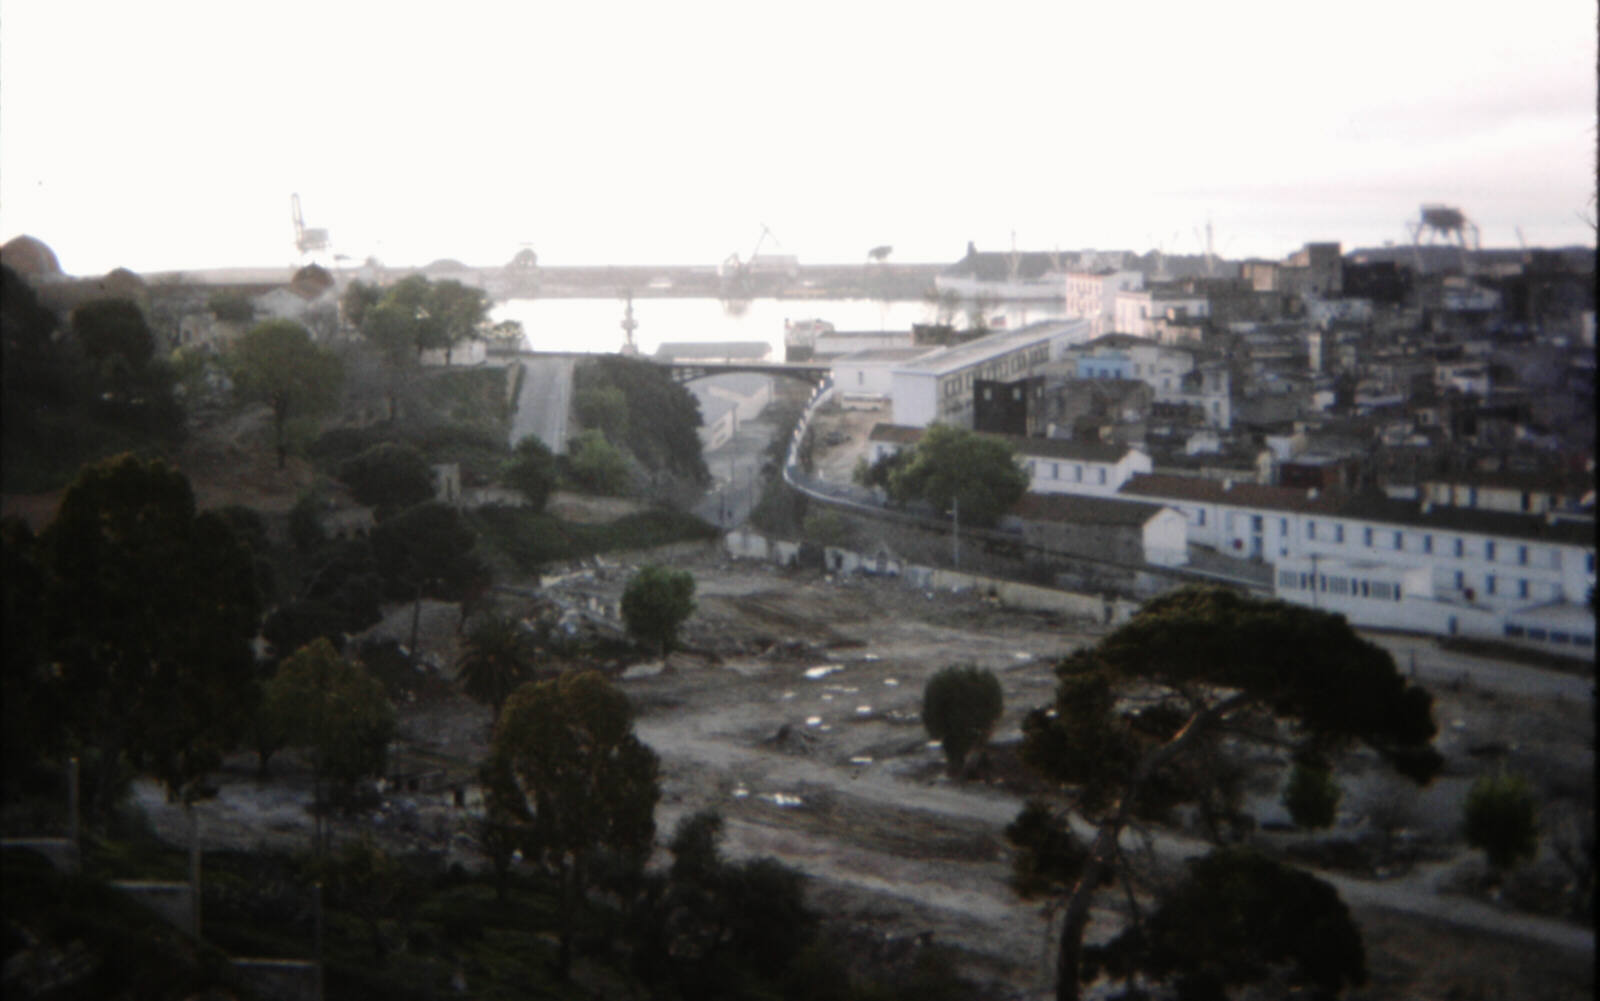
x=1255, y=523
x=1077, y=476
x=1488, y=550
x=1311, y=530
x=1338, y=533
x=1461, y=549
x=1399, y=541
x=1513, y=632
x=1202, y=516
x=1055, y=470
x=1461, y=580
x=1427, y=543
x=1557, y=636
x=1102, y=474
x=1536, y=634
x=1397, y=594
x=1286, y=580
x=1366, y=537
x=1522, y=588
x=1522, y=555
x=1283, y=526
x=1489, y=584
x=1582, y=639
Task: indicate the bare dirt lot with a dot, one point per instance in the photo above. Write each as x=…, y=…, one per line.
x=796, y=714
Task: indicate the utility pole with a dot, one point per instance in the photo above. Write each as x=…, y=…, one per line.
x=955, y=532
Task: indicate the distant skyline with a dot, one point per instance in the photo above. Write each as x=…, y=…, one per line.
x=168, y=135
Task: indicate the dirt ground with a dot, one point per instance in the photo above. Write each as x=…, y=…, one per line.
x=796, y=714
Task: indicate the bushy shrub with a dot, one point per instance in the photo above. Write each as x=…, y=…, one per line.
x=960, y=706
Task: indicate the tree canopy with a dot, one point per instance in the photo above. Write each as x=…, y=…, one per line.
x=319, y=700
x=1204, y=660
x=1502, y=817
x=951, y=467
x=277, y=363
x=572, y=782
x=149, y=609
x=531, y=471
x=656, y=603
x=1311, y=795
x=497, y=660
x=960, y=706
x=1239, y=918
x=428, y=548
x=114, y=331
x=662, y=418
x=389, y=475
x=596, y=466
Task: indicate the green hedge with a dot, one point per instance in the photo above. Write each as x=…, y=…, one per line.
x=528, y=541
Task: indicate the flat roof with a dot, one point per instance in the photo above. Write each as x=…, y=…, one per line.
x=885, y=354
x=974, y=352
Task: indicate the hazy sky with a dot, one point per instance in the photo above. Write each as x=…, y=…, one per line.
x=159, y=135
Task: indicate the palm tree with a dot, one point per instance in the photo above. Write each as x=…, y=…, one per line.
x=497, y=659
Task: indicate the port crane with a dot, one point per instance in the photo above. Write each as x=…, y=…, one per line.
x=732, y=267
x=305, y=240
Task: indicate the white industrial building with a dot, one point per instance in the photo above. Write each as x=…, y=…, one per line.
x=938, y=387
x=871, y=373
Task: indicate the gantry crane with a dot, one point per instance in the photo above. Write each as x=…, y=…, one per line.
x=305, y=240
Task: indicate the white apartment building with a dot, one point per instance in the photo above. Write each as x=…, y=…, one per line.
x=1092, y=295
x=1139, y=311
x=1440, y=570
x=1058, y=466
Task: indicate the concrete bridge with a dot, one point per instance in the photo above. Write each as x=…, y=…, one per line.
x=682, y=371
x=685, y=372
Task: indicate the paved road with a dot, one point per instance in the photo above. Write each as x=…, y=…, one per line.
x=544, y=402
x=735, y=475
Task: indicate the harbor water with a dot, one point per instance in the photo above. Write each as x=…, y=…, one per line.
x=594, y=326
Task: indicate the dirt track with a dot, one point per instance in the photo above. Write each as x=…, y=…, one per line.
x=797, y=718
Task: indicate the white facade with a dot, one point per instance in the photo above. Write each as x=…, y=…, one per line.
x=719, y=420
x=938, y=386
x=749, y=393
x=1499, y=569
x=1166, y=541
x=1093, y=295
x=871, y=373
x=1063, y=467
x=1137, y=311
